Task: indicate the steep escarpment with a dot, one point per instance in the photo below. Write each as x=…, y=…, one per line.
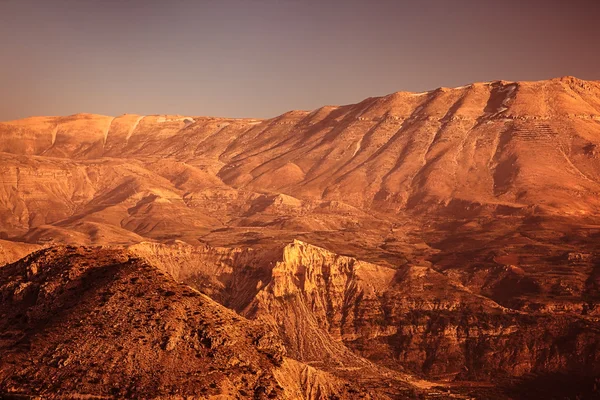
x=434, y=326
x=413, y=318
x=312, y=294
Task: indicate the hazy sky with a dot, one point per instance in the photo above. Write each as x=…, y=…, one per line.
x=260, y=58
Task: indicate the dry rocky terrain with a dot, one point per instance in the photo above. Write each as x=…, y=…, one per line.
x=442, y=244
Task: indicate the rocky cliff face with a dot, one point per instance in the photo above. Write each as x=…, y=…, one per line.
x=313, y=295
x=414, y=318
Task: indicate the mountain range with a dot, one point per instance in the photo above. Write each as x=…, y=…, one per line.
x=442, y=244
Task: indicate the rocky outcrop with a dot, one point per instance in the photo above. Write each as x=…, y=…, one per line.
x=412, y=318
x=313, y=294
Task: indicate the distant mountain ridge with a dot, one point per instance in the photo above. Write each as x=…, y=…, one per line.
x=498, y=145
